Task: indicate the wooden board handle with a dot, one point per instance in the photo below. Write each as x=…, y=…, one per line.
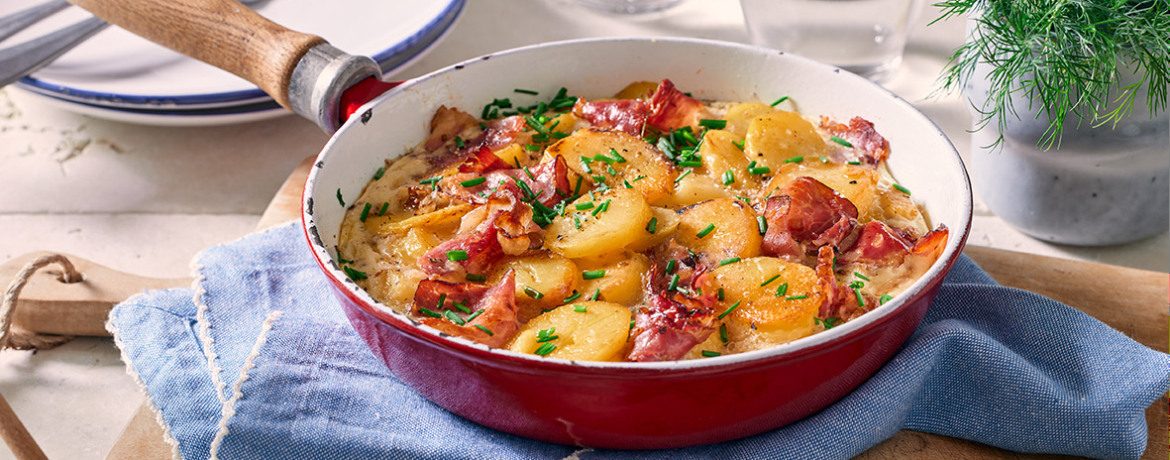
x=222, y=33
x=47, y=305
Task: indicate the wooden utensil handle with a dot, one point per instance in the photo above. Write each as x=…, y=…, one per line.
x=222, y=33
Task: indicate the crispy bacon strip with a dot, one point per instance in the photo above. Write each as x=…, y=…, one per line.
x=445, y=125
x=806, y=215
x=482, y=160
x=840, y=301
x=669, y=328
x=549, y=182
x=628, y=115
x=671, y=109
x=497, y=302
x=877, y=244
x=508, y=229
x=872, y=147
x=503, y=131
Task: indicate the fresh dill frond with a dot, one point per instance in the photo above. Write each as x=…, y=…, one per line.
x=1064, y=55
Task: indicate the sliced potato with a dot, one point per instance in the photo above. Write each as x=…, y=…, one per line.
x=740, y=116
x=444, y=219
x=764, y=319
x=646, y=169
x=712, y=344
x=637, y=90
x=622, y=282
x=543, y=280
x=898, y=210
x=394, y=287
x=720, y=155
x=513, y=154
x=858, y=184
x=735, y=232
x=775, y=137
x=696, y=188
x=580, y=233
x=665, y=223
x=596, y=334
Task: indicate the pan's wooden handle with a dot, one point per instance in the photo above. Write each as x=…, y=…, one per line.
x=48, y=305
x=222, y=33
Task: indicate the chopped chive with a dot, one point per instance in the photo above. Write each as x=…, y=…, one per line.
x=476, y=278
x=673, y=282
x=599, y=209
x=456, y=256
x=604, y=159
x=795, y=159
x=759, y=170
x=344, y=261
x=482, y=125
x=762, y=224
x=652, y=226
x=781, y=290
x=824, y=160
x=902, y=189
x=611, y=171
x=841, y=141
x=577, y=222
x=474, y=315
x=728, y=177
x=442, y=300
x=494, y=113
x=885, y=298
x=769, y=280
x=545, y=349
x=745, y=199
x=585, y=166
x=339, y=200
x=365, y=212
x=529, y=173
x=796, y=297
x=459, y=142
x=627, y=183
x=536, y=125
x=484, y=328
x=860, y=299
x=854, y=162
x=356, y=275
x=577, y=189
x=536, y=295
x=739, y=145
x=429, y=312
x=719, y=294
x=690, y=164
x=576, y=295
x=584, y=206
x=671, y=265
x=378, y=174
x=592, y=274
x=729, y=310
x=579, y=308
x=454, y=318
x=385, y=206
x=430, y=180
x=710, y=354
x=639, y=178
x=617, y=156
x=525, y=91
x=531, y=147
x=463, y=308
x=723, y=333
x=473, y=182
x=778, y=101
x=684, y=174
x=631, y=326
x=546, y=332
x=599, y=179
x=705, y=231
x=504, y=103
x=547, y=339
x=596, y=294
x=713, y=124
x=859, y=275
x=728, y=261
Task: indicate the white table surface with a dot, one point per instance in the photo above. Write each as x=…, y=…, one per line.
x=145, y=199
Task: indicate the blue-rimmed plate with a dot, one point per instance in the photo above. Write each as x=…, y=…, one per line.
x=123, y=72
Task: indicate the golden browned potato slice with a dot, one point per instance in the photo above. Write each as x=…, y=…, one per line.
x=719, y=229
x=695, y=188
x=856, y=183
x=764, y=318
x=581, y=331
x=443, y=219
x=622, y=280
x=637, y=90
x=665, y=222
x=712, y=344
x=543, y=280
x=775, y=137
x=587, y=232
x=898, y=210
x=740, y=116
x=394, y=287
x=642, y=165
x=512, y=154
x=720, y=155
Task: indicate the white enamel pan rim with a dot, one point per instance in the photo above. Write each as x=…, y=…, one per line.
x=957, y=238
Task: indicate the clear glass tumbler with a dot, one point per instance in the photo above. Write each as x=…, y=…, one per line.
x=865, y=37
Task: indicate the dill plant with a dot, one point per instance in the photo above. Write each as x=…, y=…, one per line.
x=1063, y=55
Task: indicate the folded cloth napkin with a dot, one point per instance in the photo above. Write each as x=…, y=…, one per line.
x=257, y=361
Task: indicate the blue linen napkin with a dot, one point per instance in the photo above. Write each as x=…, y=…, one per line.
x=257, y=361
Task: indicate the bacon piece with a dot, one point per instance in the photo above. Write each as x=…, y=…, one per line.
x=497, y=302
x=873, y=148
x=503, y=131
x=628, y=115
x=445, y=125
x=507, y=229
x=687, y=267
x=840, y=301
x=669, y=328
x=932, y=244
x=482, y=160
x=549, y=181
x=806, y=215
x=671, y=109
x=877, y=244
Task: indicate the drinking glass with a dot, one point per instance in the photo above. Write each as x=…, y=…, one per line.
x=865, y=37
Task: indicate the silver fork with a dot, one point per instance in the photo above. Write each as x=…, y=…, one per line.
x=28, y=57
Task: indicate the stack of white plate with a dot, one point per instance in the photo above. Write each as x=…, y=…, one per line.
x=119, y=76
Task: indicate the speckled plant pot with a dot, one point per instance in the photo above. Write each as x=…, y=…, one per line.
x=1102, y=186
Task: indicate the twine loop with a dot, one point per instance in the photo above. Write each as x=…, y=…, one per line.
x=24, y=341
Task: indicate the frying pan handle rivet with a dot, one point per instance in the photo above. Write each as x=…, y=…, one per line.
x=322, y=75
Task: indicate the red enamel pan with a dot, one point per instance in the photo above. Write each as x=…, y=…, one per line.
x=596, y=404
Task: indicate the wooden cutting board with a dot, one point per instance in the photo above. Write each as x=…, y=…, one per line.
x=1132, y=301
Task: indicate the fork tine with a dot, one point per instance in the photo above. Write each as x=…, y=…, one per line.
x=18, y=21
